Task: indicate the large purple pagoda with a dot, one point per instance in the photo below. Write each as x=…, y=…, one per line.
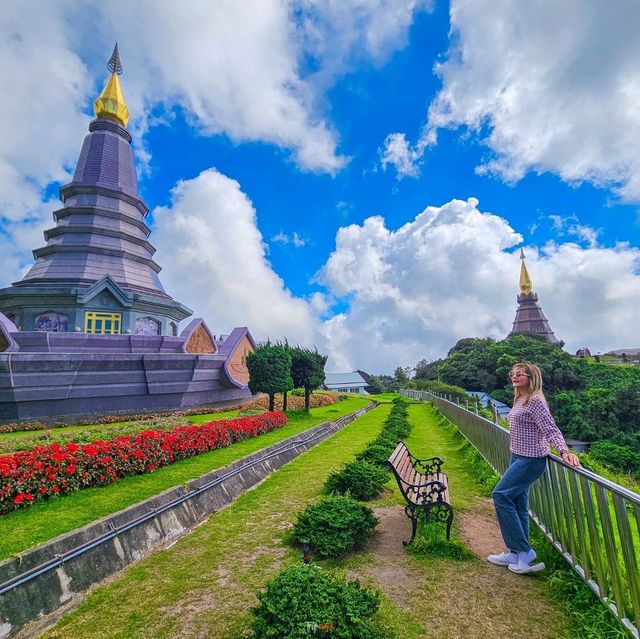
x=96, y=273
x=90, y=329
x=530, y=319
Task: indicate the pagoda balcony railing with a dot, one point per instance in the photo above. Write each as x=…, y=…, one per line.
x=593, y=522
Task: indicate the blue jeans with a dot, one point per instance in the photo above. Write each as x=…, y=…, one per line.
x=511, y=499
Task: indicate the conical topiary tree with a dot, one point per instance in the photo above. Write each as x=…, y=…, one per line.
x=307, y=371
x=270, y=371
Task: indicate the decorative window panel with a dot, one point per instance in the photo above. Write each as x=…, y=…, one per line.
x=52, y=322
x=147, y=326
x=102, y=323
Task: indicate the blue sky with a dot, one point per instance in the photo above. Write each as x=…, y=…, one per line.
x=355, y=175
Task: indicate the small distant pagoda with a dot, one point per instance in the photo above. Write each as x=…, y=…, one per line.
x=530, y=319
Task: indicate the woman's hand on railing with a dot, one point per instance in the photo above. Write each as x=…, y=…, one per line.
x=570, y=458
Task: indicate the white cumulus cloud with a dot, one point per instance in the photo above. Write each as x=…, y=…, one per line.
x=397, y=152
x=547, y=87
x=452, y=273
x=214, y=262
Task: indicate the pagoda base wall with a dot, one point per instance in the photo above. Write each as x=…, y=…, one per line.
x=74, y=387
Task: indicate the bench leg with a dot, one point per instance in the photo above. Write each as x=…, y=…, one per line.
x=440, y=512
x=411, y=514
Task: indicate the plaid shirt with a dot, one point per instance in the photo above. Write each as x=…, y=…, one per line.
x=533, y=429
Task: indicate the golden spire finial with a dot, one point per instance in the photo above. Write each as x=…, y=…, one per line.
x=110, y=103
x=526, y=286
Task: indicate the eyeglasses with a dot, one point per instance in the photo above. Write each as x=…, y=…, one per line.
x=517, y=374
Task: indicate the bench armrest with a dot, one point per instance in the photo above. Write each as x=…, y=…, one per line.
x=426, y=493
x=427, y=466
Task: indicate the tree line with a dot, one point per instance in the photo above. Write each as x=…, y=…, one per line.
x=279, y=368
x=591, y=401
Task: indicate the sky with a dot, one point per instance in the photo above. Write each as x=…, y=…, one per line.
x=354, y=175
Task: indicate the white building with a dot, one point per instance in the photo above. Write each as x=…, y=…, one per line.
x=345, y=383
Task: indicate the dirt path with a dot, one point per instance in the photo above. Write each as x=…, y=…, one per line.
x=456, y=599
x=469, y=599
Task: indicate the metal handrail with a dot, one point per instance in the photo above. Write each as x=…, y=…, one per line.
x=588, y=519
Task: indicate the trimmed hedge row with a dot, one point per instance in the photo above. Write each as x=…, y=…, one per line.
x=365, y=477
x=304, y=600
x=338, y=523
x=47, y=471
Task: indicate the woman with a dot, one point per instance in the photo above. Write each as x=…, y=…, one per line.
x=532, y=432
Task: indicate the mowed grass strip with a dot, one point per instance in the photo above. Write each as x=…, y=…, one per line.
x=206, y=585
x=32, y=526
x=26, y=439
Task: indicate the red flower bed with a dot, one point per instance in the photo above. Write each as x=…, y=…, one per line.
x=42, y=472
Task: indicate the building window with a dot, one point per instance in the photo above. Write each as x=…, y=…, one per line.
x=102, y=323
x=147, y=326
x=174, y=329
x=52, y=322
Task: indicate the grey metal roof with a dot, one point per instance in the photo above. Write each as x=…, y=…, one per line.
x=352, y=379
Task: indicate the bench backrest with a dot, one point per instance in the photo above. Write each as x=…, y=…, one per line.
x=400, y=461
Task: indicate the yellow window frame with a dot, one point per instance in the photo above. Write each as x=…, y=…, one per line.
x=99, y=323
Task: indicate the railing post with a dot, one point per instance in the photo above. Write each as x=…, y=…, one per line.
x=494, y=410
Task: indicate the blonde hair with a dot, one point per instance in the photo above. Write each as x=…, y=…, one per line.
x=535, y=383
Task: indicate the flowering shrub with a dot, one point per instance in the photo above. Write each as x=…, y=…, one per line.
x=45, y=471
x=85, y=434
x=318, y=399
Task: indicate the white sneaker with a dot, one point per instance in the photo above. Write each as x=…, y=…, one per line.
x=523, y=565
x=525, y=569
x=503, y=559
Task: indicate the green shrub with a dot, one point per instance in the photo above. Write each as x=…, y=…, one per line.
x=304, y=600
x=334, y=526
x=617, y=458
x=361, y=479
x=400, y=430
x=297, y=392
x=385, y=439
x=400, y=407
x=374, y=454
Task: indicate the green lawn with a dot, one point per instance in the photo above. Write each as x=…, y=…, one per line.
x=205, y=585
x=36, y=524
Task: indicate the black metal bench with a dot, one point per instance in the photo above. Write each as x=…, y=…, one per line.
x=424, y=486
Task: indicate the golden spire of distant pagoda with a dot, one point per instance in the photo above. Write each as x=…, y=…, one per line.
x=110, y=103
x=526, y=286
